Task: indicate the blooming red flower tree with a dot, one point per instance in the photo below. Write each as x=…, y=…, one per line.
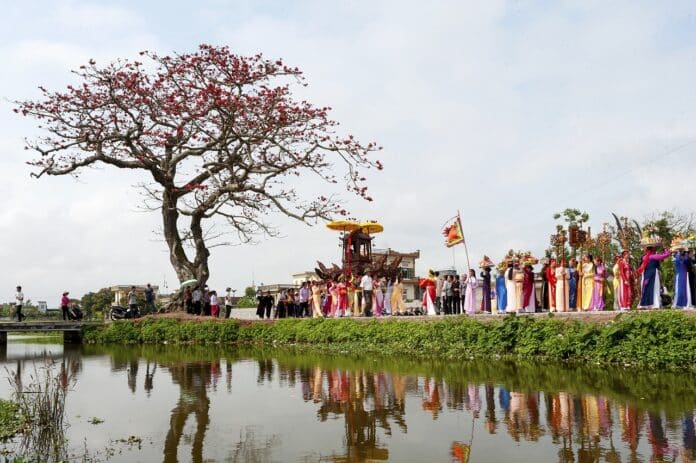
x=220, y=135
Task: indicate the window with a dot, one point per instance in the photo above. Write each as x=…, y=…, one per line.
x=407, y=273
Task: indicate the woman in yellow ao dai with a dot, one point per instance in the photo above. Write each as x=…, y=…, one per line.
x=587, y=271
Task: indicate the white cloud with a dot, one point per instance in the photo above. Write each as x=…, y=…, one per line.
x=505, y=111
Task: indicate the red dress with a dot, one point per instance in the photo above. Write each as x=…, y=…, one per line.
x=625, y=286
x=551, y=278
x=428, y=284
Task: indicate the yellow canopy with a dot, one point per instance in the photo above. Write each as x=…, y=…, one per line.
x=343, y=225
x=371, y=227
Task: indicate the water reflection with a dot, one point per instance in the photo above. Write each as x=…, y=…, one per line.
x=582, y=426
x=473, y=411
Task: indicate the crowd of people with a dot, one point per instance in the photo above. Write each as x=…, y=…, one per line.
x=201, y=300
x=565, y=285
x=511, y=286
x=358, y=296
x=561, y=285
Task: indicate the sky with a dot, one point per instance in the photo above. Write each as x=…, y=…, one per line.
x=504, y=111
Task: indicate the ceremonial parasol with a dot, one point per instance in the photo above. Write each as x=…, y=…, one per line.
x=343, y=225
x=189, y=283
x=371, y=227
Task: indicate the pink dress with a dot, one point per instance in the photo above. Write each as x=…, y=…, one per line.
x=342, y=298
x=377, y=299
x=333, y=291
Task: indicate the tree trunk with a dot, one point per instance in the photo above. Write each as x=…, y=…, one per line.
x=184, y=268
x=202, y=253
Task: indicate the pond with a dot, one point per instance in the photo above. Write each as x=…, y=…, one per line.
x=148, y=404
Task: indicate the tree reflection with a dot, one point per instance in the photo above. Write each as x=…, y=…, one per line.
x=193, y=380
x=522, y=403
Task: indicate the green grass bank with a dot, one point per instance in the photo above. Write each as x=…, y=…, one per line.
x=664, y=339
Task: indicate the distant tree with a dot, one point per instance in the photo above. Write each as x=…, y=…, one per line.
x=92, y=303
x=221, y=136
x=250, y=291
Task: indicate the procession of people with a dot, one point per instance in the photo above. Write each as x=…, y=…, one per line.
x=577, y=284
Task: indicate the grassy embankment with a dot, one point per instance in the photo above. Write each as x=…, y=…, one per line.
x=664, y=339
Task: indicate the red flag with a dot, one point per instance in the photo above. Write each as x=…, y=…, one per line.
x=453, y=233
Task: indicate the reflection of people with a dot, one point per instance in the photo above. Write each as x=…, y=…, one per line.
x=132, y=374
x=149, y=377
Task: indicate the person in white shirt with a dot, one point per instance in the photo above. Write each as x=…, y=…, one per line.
x=214, y=307
x=228, y=303
x=196, y=298
x=366, y=285
x=19, y=302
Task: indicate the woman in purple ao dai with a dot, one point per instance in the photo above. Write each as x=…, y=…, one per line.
x=598, y=290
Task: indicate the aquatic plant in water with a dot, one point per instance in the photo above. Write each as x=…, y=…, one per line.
x=42, y=402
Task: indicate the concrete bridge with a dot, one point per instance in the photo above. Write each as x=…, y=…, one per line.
x=72, y=330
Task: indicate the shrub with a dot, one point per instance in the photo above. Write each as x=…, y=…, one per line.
x=652, y=339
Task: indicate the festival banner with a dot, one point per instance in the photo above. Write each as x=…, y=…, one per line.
x=453, y=233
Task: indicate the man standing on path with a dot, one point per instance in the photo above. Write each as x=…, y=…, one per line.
x=456, y=296
x=149, y=299
x=447, y=294
x=228, y=303
x=366, y=285
x=19, y=302
x=133, y=300
x=303, y=299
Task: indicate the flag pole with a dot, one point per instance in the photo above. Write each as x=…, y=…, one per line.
x=466, y=249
